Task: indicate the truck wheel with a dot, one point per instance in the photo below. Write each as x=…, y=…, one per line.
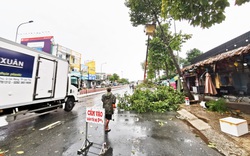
x=69, y=104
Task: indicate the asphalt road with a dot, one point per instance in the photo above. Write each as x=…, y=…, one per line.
x=63, y=133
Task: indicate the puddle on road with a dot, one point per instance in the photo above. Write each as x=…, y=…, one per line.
x=3, y=135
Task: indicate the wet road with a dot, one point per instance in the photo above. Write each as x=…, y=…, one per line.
x=132, y=134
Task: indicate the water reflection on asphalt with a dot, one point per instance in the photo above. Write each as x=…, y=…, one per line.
x=149, y=134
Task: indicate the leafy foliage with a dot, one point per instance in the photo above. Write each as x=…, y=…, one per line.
x=123, y=81
x=202, y=13
x=141, y=12
x=217, y=105
x=184, y=61
x=159, y=58
x=193, y=53
x=157, y=99
x=240, y=2
x=114, y=77
x=148, y=11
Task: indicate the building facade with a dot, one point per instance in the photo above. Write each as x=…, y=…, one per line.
x=46, y=44
x=228, y=65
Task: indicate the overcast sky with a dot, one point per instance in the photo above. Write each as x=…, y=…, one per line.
x=101, y=30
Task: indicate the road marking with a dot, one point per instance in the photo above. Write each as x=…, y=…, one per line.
x=3, y=121
x=51, y=125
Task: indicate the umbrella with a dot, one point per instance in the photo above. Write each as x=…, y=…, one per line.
x=209, y=86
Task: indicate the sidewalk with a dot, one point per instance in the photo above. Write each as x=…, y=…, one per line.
x=207, y=123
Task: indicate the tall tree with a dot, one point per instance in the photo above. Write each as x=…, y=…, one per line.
x=146, y=11
x=198, y=12
x=159, y=59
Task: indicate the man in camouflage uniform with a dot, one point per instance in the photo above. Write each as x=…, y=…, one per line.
x=108, y=100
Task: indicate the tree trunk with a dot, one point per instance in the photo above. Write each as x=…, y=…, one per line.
x=184, y=83
x=166, y=69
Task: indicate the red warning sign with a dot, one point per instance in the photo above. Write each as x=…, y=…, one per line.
x=95, y=115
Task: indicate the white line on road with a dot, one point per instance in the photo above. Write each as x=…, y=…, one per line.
x=51, y=125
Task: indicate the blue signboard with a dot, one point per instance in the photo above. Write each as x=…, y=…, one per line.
x=91, y=77
x=84, y=77
x=15, y=64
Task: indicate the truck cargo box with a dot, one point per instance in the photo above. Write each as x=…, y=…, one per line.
x=29, y=77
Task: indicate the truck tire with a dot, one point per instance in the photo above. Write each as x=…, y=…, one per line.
x=69, y=104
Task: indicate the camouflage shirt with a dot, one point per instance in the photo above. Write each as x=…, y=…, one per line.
x=108, y=99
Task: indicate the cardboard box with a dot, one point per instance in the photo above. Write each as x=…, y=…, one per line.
x=234, y=126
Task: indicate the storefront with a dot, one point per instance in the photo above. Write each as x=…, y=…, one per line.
x=229, y=71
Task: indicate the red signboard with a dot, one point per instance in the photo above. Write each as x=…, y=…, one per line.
x=37, y=38
x=43, y=43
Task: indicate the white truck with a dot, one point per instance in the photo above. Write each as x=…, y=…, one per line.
x=34, y=81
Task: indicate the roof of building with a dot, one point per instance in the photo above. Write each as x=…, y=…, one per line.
x=240, y=41
x=221, y=56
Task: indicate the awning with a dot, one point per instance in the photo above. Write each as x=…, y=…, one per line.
x=175, y=78
x=75, y=73
x=219, y=57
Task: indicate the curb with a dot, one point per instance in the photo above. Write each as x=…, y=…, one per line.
x=222, y=144
x=89, y=94
x=93, y=93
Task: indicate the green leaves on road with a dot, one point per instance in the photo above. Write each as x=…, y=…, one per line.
x=154, y=99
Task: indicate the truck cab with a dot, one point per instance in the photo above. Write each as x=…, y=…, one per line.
x=72, y=92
